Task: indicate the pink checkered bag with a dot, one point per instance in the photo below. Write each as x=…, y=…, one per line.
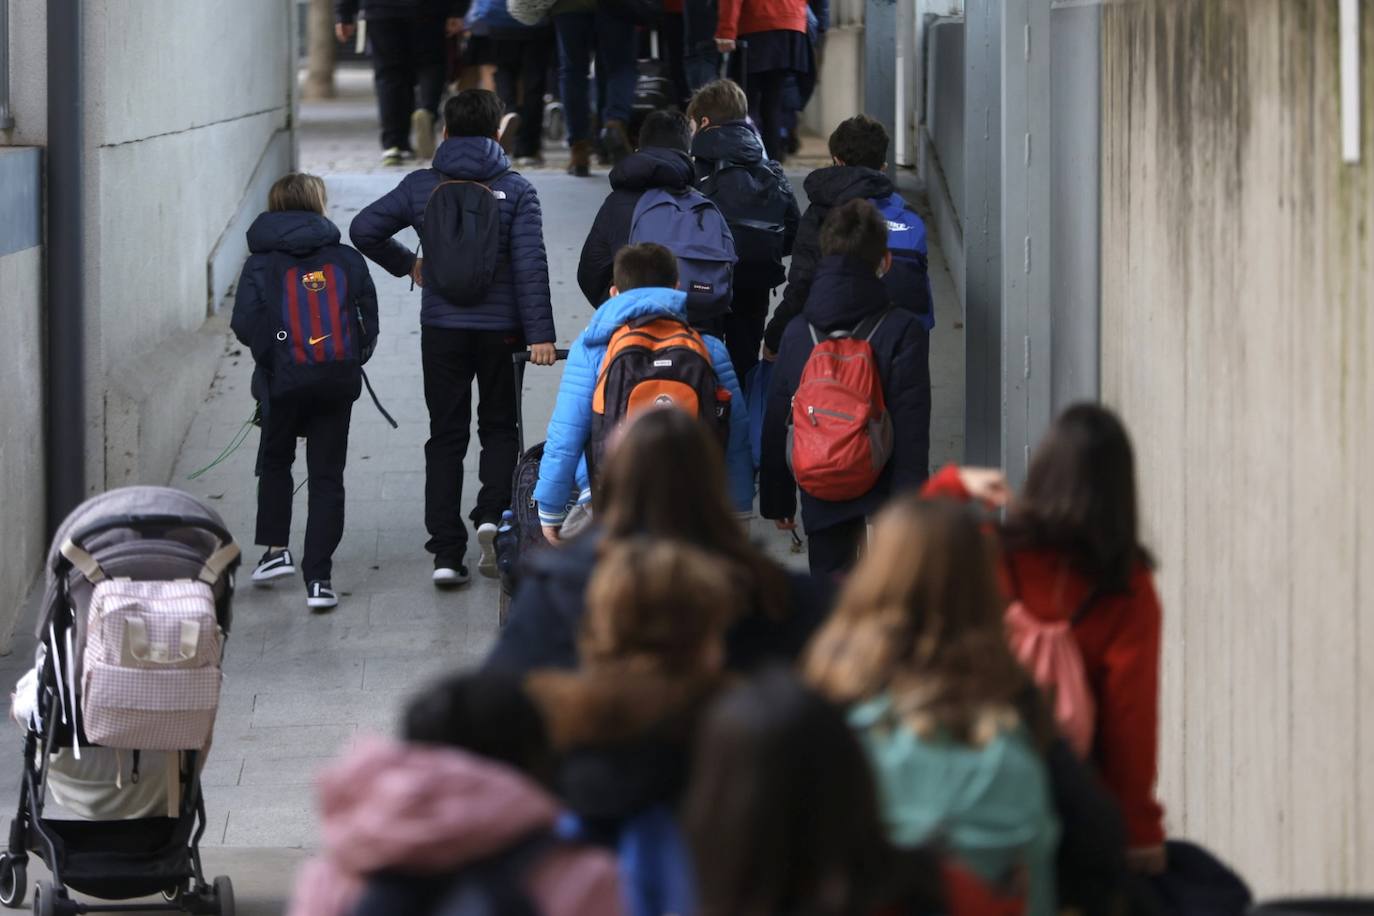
x=151, y=673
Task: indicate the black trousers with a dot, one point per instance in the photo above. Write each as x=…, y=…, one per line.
x=522, y=71
x=765, y=92
x=452, y=359
x=323, y=421
x=407, y=53
x=744, y=327
x=833, y=551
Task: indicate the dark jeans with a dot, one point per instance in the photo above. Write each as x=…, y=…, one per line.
x=700, y=59
x=522, y=67
x=612, y=40
x=833, y=551
x=323, y=421
x=406, y=53
x=744, y=327
x=765, y=91
x=451, y=359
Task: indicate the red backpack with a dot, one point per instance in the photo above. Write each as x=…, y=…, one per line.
x=840, y=437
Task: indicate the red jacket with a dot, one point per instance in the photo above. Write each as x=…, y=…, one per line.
x=1120, y=641
x=744, y=17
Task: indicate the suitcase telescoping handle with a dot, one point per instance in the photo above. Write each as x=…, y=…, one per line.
x=520, y=360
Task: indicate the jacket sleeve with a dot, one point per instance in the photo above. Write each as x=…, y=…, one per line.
x=367, y=311
x=777, y=488
x=345, y=10
x=531, y=267
x=1128, y=715
x=945, y=484
x=739, y=457
x=566, y=443
x=596, y=266
x=372, y=229
x=792, y=217
x=805, y=254
x=248, y=308
x=908, y=401
x=727, y=21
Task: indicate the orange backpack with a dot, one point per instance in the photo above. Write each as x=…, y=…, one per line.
x=1048, y=650
x=655, y=362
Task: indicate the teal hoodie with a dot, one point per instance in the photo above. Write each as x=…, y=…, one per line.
x=562, y=472
x=991, y=806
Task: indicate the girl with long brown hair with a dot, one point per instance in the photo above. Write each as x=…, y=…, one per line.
x=916, y=649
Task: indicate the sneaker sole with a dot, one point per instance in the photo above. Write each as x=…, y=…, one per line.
x=267, y=578
x=451, y=583
x=486, y=563
x=321, y=604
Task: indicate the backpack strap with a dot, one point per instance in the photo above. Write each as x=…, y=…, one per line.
x=869, y=326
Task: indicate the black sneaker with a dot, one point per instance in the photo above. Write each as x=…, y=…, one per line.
x=319, y=596
x=273, y=565
x=450, y=572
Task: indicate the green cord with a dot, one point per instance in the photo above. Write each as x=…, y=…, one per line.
x=239, y=438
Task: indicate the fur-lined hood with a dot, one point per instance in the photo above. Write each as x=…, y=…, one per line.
x=624, y=736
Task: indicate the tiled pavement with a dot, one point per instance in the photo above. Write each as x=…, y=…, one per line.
x=300, y=688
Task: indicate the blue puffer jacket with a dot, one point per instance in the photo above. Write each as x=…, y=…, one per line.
x=565, y=451
x=519, y=296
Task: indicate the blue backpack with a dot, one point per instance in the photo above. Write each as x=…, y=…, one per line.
x=689, y=225
x=909, y=279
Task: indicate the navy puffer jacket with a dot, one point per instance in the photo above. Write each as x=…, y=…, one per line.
x=519, y=296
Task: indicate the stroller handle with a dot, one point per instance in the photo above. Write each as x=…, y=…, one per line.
x=142, y=524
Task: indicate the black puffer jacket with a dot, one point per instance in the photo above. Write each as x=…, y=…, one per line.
x=651, y=167
x=347, y=10
x=756, y=190
x=825, y=188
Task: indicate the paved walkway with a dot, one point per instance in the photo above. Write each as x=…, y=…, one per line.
x=298, y=688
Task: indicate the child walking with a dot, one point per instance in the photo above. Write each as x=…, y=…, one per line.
x=485, y=296
x=846, y=474
x=306, y=309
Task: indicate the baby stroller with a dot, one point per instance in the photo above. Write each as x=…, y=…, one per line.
x=139, y=586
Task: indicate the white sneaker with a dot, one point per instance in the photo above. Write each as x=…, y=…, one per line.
x=486, y=540
x=273, y=565
x=451, y=576
x=393, y=156
x=319, y=596
x=422, y=133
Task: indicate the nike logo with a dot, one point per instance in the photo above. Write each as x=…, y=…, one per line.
x=315, y=340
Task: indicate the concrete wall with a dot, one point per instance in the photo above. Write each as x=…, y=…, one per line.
x=22, y=535
x=1238, y=343
x=188, y=118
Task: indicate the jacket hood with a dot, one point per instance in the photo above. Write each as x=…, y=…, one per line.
x=423, y=809
x=844, y=292
x=473, y=158
x=637, y=303
x=296, y=232
x=734, y=141
x=837, y=184
x=653, y=167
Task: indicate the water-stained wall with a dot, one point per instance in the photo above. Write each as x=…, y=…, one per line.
x=1237, y=283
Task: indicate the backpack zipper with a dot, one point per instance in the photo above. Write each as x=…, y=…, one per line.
x=812, y=411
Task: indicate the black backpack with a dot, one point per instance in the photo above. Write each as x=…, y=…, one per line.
x=460, y=240
x=751, y=197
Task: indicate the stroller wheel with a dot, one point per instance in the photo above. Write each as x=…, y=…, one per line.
x=224, y=896
x=44, y=899
x=14, y=880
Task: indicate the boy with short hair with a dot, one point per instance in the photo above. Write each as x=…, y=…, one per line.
x=644, y=288
x=858, y=148
x=847, y=300
x=306, y=309
x=477, y=338
x=753, y=193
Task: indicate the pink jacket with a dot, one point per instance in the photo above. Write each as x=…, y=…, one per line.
x=431, y=811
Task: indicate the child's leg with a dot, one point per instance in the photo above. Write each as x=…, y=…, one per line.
x=744, y=327
x=427, y=50
x=394, y=74
x=833, y=551
x=765, y=91
x=326, y=453
x=277, y=454
x=496, y=396
x=448, y=359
